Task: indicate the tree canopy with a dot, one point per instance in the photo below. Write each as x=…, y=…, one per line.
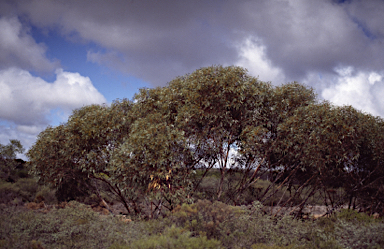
x=158, y=148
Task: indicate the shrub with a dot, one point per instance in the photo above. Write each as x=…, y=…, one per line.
x=207, y=188
x=358, y=230
x=352, y=235
x=73, y=189
x=244, y=227
x=24, y=190
x=265, y=246
x=350, y=215
x=173, y=238
x=203, y=224
x=46, y=194
x=75, y=226
x=205, y=217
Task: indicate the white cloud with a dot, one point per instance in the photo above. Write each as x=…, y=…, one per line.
x=28, y=100
x=19, y=49
x=28, y=103
x=252, y=55
x=364, y=90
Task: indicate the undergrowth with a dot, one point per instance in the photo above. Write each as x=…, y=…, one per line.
x=203, y=224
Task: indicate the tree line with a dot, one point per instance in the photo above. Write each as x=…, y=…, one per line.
x=156, y=149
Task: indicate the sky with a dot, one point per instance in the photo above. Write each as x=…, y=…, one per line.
x=57, y=56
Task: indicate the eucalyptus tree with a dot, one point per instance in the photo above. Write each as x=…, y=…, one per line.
x=218, y=118
x=225, y=119
x=209, y=109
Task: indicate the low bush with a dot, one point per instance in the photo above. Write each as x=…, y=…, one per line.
x=46, y=194
x=242, y=227
x=207, y=188
x=24, y=189
x=265, y=246
x=203, y=224
x=206, y=217
x=75, y=226
x=173, y=238
x=353, y=216
x=358, y=230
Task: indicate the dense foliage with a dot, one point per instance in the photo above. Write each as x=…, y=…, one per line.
x=217, y=123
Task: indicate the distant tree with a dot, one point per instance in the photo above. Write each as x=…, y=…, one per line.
x=8, y=162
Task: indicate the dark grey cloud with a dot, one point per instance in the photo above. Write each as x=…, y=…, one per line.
x=280, y=40
x=157, y=40
x=153, y=40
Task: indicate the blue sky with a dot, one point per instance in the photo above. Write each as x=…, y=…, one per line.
x=56, y=56
x=73, y=58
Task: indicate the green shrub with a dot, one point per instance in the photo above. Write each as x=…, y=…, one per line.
x=358, y=230
x=28, y=187
x=46, y=194
x=207, y=188
x=244, y=227
x=265, y=246
x=203, y=224
x=75, y=226
x=206, y=217
x=350, y=215
x=350, y=229
x=8, y=192
x=352, y=235
x=24, y=189
x=173, y=238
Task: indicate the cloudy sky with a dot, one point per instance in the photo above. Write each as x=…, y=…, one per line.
x=56, y=56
